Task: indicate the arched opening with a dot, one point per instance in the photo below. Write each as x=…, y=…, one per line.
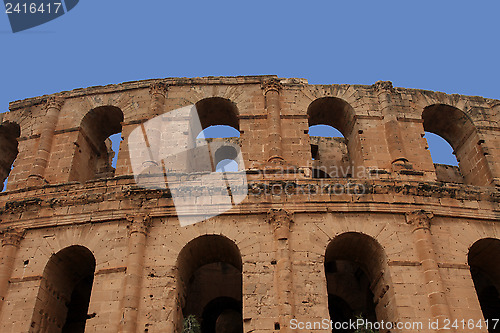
x=456, y=128
x=482, y=258
x=64, y=295
x=353, y=265
x=9, y=133
x=210, y=283
x=443, y=156
x=330, y=122
x=93, y=158
x=216, y=134
x=215, y=111
x=441, y=151
x=329, y=139
x=226, y=159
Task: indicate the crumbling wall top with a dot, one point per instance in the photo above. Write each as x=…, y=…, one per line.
x=233, y=80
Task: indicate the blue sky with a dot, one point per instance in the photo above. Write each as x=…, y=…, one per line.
x=449, y=46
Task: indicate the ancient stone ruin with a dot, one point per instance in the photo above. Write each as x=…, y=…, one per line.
x=328, y=228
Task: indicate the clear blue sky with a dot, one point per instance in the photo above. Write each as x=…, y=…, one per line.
x=450, y=46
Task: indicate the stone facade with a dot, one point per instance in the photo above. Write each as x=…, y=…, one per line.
x=330, y=227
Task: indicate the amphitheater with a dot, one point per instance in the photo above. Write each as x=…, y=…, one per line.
x=317, y=230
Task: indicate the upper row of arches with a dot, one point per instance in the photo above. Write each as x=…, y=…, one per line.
x=99, y=135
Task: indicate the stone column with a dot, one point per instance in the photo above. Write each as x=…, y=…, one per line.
x=420, y=220
x=272, y=88
x=158, y=92
x=392, y=131
x=281, y=221
x=492, y=158
x=11, y=239
x=138, y=230
x=53, y=106
x=394, y=141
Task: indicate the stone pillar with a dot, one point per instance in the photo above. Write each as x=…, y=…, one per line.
x=492, y=157
x=281, y=220
x=158, y=92
x=420, y=220
x=394, y=141
x=138, y=230
x=11, y=239
x=53, y=106
x=392, y=130
x=272, y=88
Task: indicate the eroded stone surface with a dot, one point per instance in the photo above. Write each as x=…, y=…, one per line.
x=300, y=234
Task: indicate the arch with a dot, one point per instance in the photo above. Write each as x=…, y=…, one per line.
x=226, y=159
x=94, y=154
x=333, y=119
x=210, y=271
x=353, y=266
x=445, y=161
x=9, y=133
x=214, y=111
x=456, y=127
x=64, y=295
x=225, y=153
x=331, y=111
x=482, y=256
x=448, y=122
x=220, y=132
